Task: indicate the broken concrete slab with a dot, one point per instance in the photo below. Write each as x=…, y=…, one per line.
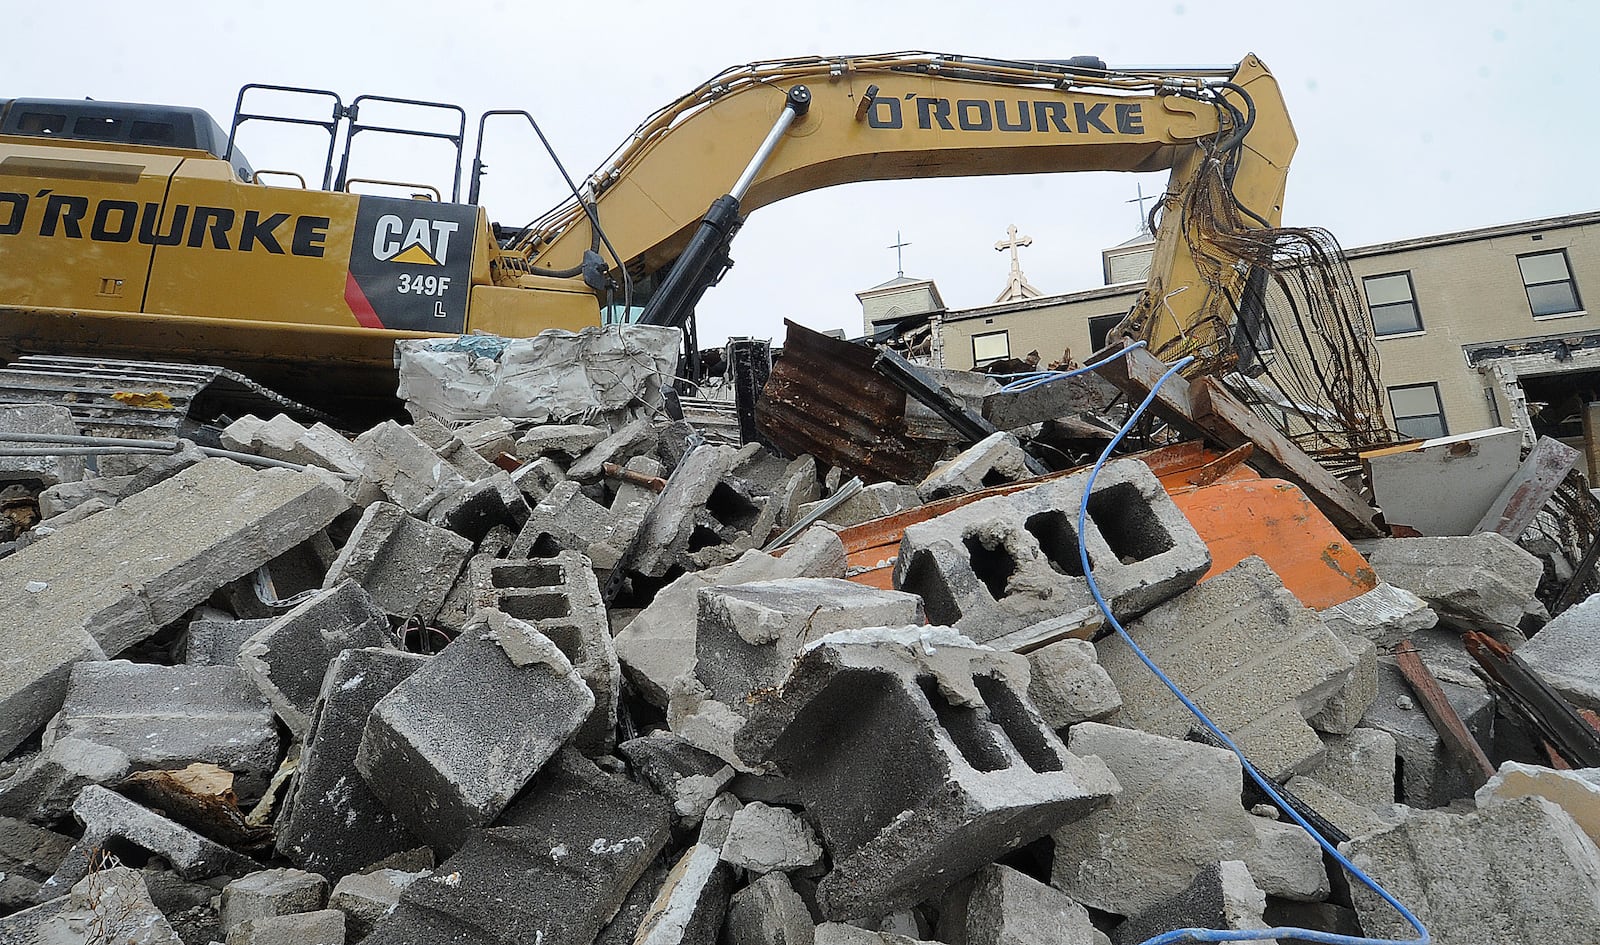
x=213, y=642
x=564, y=441
x=999, y=904
x=405, y=468
x=1247, y=652
x=43, y=791
x=1525, y=494
x=1061, y=397
x=692, y=902
x=765, y=839
x=324, y=927
x=28, y=855
x=491, y=501
x=111, y=905
x=1385, y=615
x=872, y=501
x=1429, y=777
x=670, y=526
x=1566, y=652
x=769, y=912
x=98, y=586
x=1346, y=813
x=1474, y=582
x=51, y=419
x=1068, y=685
x=1007, y=570
x=455, y=741
x=555, y=869
x=994, y=460
x=1343, y=712
x=1576, y=792
x=974, y=770
x=689, y=777
x=110, y=819
x=364, y=898
x=269, y=893
x=1445, y=486
x=284, y=439
x=1519, y=872
x=164, y=717
x=288, y=658
x=333, y=823
x=1222, y=896
x=405, y=564
x=634, y=438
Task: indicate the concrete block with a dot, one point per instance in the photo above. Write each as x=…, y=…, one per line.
x=873, y=501
x=43, y=791
x=1428, y=775
x=269, y=893
x=678, y=771
x=992, y=461
x=1287, y=860
x=1222, y=896
x=769, y=912
x=965, y=769
x=1251, y=655
x=111, y=906
x=834, y=933
x=564, y=441
x=450, y=448
x=1576, y=792
x=998, y=904
x=1344, y=812
x=28, y=855
x=489, y=437
x=109, y=820
x=406, y=565
x=63, y=497
x=1067, y=396
x=332, y=822
x=659, y=645
x=168, y=717
x=324, y=927
x=554, y=870
x=1519, y=872
x=568, y=520
x=1474, y=582
x=537, y=478
x=288, y=658
x=405, y=467
x=765, y=839
x=1344, y=711
x=364, y=898
x=692, y=902
x=1006, y=569
x=634, y=438
x=282, y=438
x=98, y=586
x=560, y=598
x=43, y=470
x=211, y=642
x=1567, y=653
x=1068, y=685
x=1178, y=811
x=670, y=529
x=483, y=504
x=1361, y=766
x=455, y=741
x=624, y=926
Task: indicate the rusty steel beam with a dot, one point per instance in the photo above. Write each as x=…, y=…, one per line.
x=1452, y=731
x=1526, y=691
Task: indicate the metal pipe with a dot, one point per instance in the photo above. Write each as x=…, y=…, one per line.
x=796, y=104
x=846, y=492
x=60, y=444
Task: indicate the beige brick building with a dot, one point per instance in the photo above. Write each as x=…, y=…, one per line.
x=1475, y=329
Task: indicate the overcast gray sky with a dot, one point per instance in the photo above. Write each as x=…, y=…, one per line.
x=1413, y=118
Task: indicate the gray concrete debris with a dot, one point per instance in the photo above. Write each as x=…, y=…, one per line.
x=1576, y=792
x=554, y=870
x=489, y=437
x=765, y=839
x=213, y=642
x=834, y=933
x=454, y=742
x=1429, y=776
x=769, y=912
x=461, y=457
x=1346, y=813
x=333, y=822
x=98, y=586
x=718, y=820
x=283, y=438
x=1361, y=766
x=873, y=501
x=624, y=926
x=1475, y=582
x=405, y=564
x=1445, y=488
x=1063, y=397
x=43, y=791
x=997, y=905
x=684, y=774
x=110, y=819
x=324, y=927
x=1519, y=872
x=43, y=470
x=537, y=478
x=1178, y=811
x=670, y=529
x=112, y=905
x=1247, y=652
x=1068, y=684
x=364, y=898
x=1343, y=712
x=692, y=902
x=269, y=893
x=288, y=658
x=168, y=717
x=63, y=497
x=1006, y=569
x=28, y=855
x=974, y=770
x=562, y=441
x=635, y=438
x=559, y=597
x=658, y=646
x=493, y=500
x=1222, y=896
x=405, y=468
x=995, y=460
x=1567, y=653
x=566, y=519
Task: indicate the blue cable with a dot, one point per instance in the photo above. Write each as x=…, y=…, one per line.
x=1227, y=935
x=1037, y=378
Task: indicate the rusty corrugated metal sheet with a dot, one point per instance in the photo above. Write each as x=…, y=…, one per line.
x=824, y=398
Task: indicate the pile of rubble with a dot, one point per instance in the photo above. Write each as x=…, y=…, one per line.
x=509, y=683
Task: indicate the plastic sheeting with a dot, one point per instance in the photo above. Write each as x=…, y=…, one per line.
x=555, y=377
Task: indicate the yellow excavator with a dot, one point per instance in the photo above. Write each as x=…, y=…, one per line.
x=142, y=232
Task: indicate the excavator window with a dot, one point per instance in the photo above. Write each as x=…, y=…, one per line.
x=41, y=123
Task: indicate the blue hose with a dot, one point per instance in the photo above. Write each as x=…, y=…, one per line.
x=1227, y=935
x=1038, y=378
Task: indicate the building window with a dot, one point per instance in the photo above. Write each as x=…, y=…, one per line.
x=1417, y=411
x=1393, y=303
x=1548, y=279
x=991, y=346
x=1100, y=329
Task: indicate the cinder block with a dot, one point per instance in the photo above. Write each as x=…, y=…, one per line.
x=28, y=855
x=43, y=791
x=493, y=501
x=1360, y=766
x=333, y=823
x=453, y=743
x=674, y=521
x=568, y=520
x=269, y=893
x=964, y=769
x=167, y=717
x=1429, y=776
x=489, y=437
x=44, y=470
x=563, y=441
x=1344, y=711
x=288, y=658
x=110, y=819
x=1519, y=872
x=1006, y=569
x=217, y=642
x=769, y=912
x=678, y=771
x=450, y=448
x=1068, y=685
x=634, y=438
x=1473, y=582
x=555, y=869
x=406, y=468
x=1247, y=652
x=560, y=598
x=1222, y=896
x=324, y=927
x=692, y=903
x=406, y=565
x=999, y=904
x=992, y=461
x=764, y=839
x=364, y=898
x=873, y=501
